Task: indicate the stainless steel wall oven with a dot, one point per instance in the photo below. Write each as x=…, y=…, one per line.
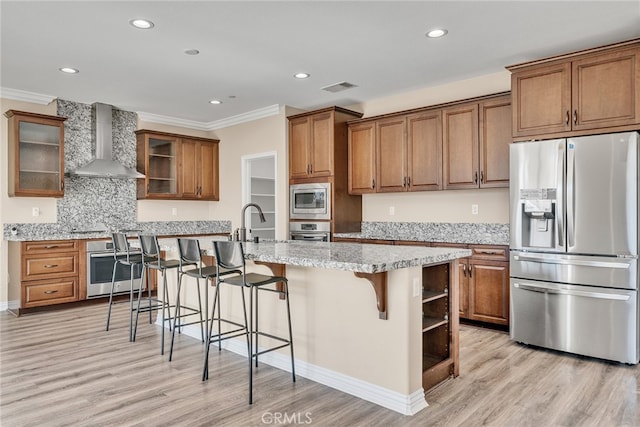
x=100, y=269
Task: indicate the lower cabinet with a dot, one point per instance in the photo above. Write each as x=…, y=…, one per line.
x=44, y=272
x=439, y=328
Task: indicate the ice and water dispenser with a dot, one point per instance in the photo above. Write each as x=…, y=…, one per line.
x=538, y=209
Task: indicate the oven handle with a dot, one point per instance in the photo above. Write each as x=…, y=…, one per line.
x=318, y=237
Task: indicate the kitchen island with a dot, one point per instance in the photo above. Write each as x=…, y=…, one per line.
x=375, y=321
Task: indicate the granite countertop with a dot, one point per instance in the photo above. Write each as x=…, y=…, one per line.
x=356, y=257
x=55, y=231
x=463, y=233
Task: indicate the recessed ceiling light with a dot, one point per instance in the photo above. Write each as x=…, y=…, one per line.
x=192, y=51
x=143, y=24
x=302, y=75
x=437, y=32
x=69, y=70
x=215, y=102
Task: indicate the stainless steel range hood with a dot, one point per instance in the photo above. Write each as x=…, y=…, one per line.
x=103, y=166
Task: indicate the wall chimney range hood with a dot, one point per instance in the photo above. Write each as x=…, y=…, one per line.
x=103, y=165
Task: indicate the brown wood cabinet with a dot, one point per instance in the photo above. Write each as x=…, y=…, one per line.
x=316, y=141
x=35, y=154
x=476, y=140
x=362, y=158
x=456, y=145
x=49, y=272
x=440, y=326
x=409, y=152
x=199, y=173
x=177, y=167
x=575, y=94
x=488, y=284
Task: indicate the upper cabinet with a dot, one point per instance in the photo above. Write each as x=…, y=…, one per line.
x=177, y=167
x=461, y=145
x=578, y=93
x=36, y=154
x=318, y=142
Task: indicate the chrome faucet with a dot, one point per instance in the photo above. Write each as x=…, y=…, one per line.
x=243, y=230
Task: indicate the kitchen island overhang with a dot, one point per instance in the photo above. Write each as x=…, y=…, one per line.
x=340, y=338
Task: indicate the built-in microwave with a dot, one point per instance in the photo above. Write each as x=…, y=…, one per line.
x=310, y=201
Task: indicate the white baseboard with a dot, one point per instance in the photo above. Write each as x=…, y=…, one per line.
x=405, y=404
x=4, y=306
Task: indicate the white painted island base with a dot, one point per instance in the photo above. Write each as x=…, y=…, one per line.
x=339, y=339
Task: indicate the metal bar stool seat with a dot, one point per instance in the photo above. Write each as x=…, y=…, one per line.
x=230, y=255
x=191, y=256
x=124, y=256
x=154, y=261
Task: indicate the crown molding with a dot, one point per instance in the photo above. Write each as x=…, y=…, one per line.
x=260, y=113
x=23, y=95
x=171, y=121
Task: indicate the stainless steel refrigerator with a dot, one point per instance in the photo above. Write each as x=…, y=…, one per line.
x=574, y=245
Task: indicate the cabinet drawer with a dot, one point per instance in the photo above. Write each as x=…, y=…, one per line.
x=495, y=253
x=46, y=292
x=45, y=247
x=55, y=265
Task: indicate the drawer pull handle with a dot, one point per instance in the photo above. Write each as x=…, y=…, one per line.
x=50, y=292
x=50, y=265
x=490, y=252
x=51, y=246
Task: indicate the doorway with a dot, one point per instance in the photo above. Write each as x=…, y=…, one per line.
x=259, y=187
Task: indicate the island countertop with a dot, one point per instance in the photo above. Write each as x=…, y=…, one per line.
x=356, y=257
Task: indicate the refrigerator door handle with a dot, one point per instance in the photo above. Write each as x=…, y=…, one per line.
x=571, y=201
x=559, y=202
x=543, y=260
x=555, y=290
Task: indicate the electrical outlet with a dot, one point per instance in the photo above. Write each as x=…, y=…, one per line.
x=416, y=287
x=35, y=211
x=474, y=209
x=174, y=211
x=392, y=210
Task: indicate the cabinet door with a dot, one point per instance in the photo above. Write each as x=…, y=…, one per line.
x=188, y=170
x=460, y=143
x=299, y=141
x=161, y=157
x=208, y=171
x=321, y=163
x=489, y=291
x=36, y=155
x=605, y=90
x=541, y=100
x=424, y=146
x=495, y=137
x=362, y=158
x=391, y=154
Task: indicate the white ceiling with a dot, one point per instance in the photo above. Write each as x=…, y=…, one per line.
x=249, y=51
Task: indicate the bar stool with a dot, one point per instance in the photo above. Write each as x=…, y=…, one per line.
x=230, y=255
x=123, y=256
x=191, y=255
x=153, y=261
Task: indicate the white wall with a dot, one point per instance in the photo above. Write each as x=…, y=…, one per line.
x=447, y=205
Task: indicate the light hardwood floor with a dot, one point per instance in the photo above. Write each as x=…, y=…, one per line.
x=62, y=368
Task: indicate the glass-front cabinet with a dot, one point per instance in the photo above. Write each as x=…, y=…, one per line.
x=158, y=161
x=36, y=154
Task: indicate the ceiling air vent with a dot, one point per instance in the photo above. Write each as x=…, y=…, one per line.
x=339, y=87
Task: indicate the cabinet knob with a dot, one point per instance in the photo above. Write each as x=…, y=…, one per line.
x=50, y=265
x=575, y=117
x=464, y=270
x=408, y=181
x=482, y=177
x=475, y=177
x=566, y=121
x=470, y=270
x=51, y=246
x=50, y=292
x=404, y=182
x=373, y=183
